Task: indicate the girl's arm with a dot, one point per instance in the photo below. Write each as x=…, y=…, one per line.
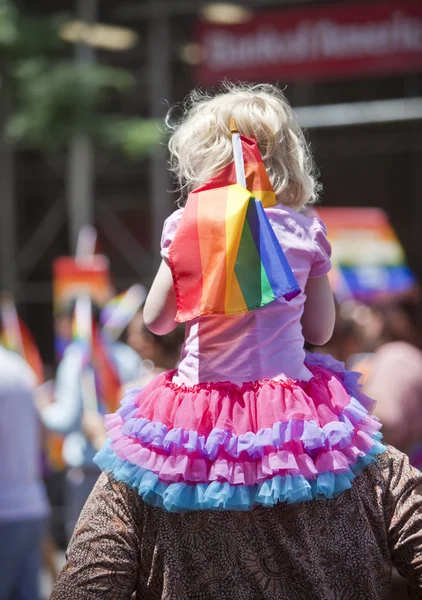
x=161, y=305
x=319, y=312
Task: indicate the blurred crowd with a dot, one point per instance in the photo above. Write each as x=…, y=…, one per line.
x=55, y=425
x=50, y=432
x=53, y=417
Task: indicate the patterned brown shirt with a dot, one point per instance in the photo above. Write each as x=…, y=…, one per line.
x=341, y=549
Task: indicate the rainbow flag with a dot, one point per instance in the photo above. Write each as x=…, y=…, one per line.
x=16, y=337
x=107, y=379
x=225, y=257
x=368, y=259
x=118, y=313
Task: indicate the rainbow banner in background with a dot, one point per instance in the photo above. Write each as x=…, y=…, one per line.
x=225, y=257
x=80, y=276
x=73, y=277
x=369, y=263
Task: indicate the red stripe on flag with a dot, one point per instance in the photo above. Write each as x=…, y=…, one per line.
x=107, y=377
x=31, y=353
x=185, y=262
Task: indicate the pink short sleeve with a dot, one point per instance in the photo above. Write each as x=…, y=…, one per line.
x=321, y=264
x=169, y=229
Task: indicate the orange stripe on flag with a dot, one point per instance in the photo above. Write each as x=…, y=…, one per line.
x=212, y=245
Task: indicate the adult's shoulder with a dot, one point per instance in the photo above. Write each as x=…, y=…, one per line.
x=394, y=472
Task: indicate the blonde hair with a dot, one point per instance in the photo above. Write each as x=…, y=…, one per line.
x=200, y=143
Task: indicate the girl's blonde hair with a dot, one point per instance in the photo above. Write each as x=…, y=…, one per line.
x=200, y=143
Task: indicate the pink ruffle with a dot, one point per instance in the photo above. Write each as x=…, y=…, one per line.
x=241, y=409
x=196, y=469
x=247, y=434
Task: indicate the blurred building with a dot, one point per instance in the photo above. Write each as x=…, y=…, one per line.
x=352, y=69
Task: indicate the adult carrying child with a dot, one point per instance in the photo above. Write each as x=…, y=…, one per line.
x=249, y=424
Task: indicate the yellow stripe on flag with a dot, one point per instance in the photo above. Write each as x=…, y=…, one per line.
x=236, y=208
x=267, y=198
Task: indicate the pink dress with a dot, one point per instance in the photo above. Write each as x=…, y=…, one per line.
x=248, y=418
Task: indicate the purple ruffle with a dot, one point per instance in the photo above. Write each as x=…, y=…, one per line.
x=334, y=436
x=350, y=379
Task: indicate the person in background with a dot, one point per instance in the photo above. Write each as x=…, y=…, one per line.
x=159, y=353
x=65, y=415
x=23, y=502
x=394, y=380
x=63, y=329
x=347, y=339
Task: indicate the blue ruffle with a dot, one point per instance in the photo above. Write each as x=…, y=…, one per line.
x=181, y=497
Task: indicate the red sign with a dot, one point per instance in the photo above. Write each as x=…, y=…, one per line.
x=73, y=278
x=315, y=43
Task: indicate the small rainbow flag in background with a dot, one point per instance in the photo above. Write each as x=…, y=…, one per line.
x=118, y=313
x=107, y=379
x=100, y=379
x=225, y=257
x=15, y=336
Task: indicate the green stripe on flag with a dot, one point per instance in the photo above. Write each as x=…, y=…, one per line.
x=250, y=272
x=266, y=289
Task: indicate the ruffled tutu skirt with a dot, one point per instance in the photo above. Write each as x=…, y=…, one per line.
x=223, y=446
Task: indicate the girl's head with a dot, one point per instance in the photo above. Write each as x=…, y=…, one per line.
x=200, y=144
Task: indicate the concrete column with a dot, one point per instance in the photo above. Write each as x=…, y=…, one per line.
x=159, y=82
x=81, y=162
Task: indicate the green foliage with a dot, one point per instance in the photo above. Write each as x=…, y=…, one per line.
x=54, y=98
x=134, y=136
x=24, y=37
x=59, y=100
x=8, y=25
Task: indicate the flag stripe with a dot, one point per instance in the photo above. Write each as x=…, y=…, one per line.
x=225, y=256
x=248, y=269
x=277, y=268
x=236, y=208
x=212, y=236
x=187, y=274
x=253, y=222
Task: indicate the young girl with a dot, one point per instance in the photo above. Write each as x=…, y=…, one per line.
x=247, y=418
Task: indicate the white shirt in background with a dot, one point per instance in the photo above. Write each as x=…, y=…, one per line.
x=22, y=493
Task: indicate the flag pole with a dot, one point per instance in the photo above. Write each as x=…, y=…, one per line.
x=237, y=153
x=87, y=240
x=83, y=331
